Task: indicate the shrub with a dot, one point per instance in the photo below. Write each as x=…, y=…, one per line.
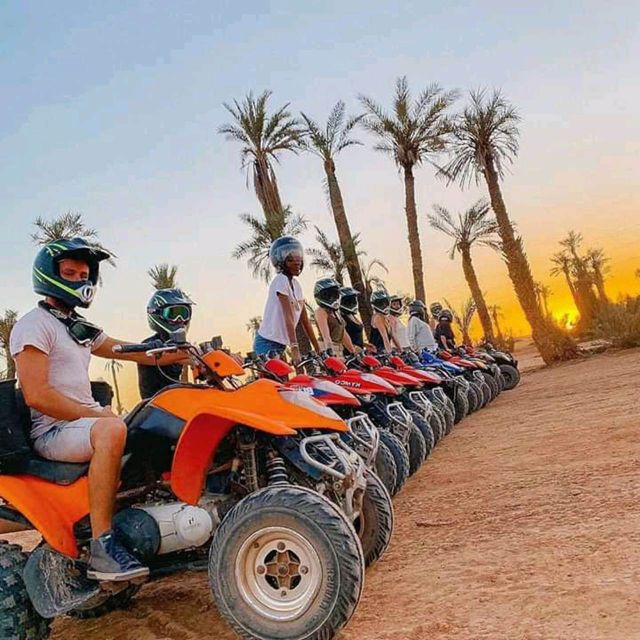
x=620, y=323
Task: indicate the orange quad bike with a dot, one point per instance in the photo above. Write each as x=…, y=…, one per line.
x=204, y=486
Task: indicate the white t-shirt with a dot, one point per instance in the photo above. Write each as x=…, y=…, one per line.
x=420, y=335
x=273, y=326
x=68, y=361
x=402, y=333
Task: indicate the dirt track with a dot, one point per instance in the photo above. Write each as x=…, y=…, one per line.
x=524, y=525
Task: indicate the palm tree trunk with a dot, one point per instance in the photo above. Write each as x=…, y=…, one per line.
x=414, y=233
x=602, y=293
x=476, y=292
x=572, y=287
x=497, y=326
x=266, y=187
x=116, y=389
x=545, y=304
x=550, y=344
x=346, y=241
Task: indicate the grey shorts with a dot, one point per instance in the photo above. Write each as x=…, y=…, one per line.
x=67, y=441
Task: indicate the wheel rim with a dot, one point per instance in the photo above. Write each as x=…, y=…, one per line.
x=279, y=573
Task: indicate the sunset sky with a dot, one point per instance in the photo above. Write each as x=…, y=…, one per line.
x=111, y=109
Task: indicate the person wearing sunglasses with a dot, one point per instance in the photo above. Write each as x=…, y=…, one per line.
x=167, y=310
x=52, y=345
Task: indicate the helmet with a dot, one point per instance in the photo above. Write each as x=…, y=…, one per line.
x=418, y=308
x=46, y=271
x=435, y=309
x=327, y=293
x=380, y=301
x=283, y=248
x=349, y=299
x=396, y=310
x=445, y=314
x=168, y=310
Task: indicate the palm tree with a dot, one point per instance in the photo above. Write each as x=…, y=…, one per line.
x=485, y=140
x=68, y=225
x=113, y=366
x=561, y=261
x=163, y=276
x=496, y=313
x=256, y=249
x=543, y=292
x=7, y=322
x=473, y=227
x=597, y=261
x=253, y=325
x=264, y=137
x=637, y=272
x=464, y=317
x=372, y=280
x=327, y=143
x=414, y=133
x=329, y=257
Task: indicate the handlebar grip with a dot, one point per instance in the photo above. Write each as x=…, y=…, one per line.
x=137, y=348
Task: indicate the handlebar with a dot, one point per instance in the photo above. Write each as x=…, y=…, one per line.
x=138, y=348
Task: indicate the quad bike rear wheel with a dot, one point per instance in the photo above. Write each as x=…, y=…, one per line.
x=461, y=405
x=385, y=467
x=18, y=618
x=375, y=524
x=493, y=384
x=511, y=376
x=400, y=457
x=436, y=422
x=285, y=563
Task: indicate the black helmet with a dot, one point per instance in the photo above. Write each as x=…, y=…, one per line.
x=46, y=271
x=283, y=248
x=168, y=310
x=380, y=301
x=349, y=299
x=397, y=310
x=435, y=309
x=327, y=293
x=445, y=314
x=418, y=308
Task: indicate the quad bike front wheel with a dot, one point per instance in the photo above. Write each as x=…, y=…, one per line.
x=375, y=524
x=286, y=564
x=400, y=457
x=385, y=467
x=417, y=449
x=18, y=618
x=425, y=430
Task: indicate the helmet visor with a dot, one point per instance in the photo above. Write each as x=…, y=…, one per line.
x=177, y=313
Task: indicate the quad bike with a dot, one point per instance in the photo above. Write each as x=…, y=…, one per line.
x=203, y=486
x=374, y=522
x=379, y=401
x=507, y=363
x=474, y=372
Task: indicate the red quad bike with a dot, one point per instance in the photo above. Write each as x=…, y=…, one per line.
x=206, y=484
x=387, y=411
x=374, y=522
x=431, y=401
x=392, y=459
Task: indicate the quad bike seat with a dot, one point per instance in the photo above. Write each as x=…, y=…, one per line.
x=17, y=455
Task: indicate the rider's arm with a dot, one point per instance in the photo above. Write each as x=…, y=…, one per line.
x=105, y=350
x=308, y=328
x=33, y=372
x=323, y=326
x=394, y=332
x=347, y=343
x=412, y=330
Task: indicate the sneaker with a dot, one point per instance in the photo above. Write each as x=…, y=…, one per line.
x=111, y=562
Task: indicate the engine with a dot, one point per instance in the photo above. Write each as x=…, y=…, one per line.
x=156, y=529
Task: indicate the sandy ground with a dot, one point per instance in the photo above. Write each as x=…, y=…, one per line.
x=524, y=525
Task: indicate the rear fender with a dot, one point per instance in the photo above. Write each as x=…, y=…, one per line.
x=52, y=509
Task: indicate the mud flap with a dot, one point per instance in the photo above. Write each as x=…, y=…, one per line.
x=56, y=584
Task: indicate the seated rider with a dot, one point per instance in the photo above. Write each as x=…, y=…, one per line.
x=332, y=329
x=420, y=334
x=285, y=302
x=435, y=308
x=398, y=327
x=381, y=336
x=349, y=311
x=444, y=331
x=168, y=310
x=52, y=346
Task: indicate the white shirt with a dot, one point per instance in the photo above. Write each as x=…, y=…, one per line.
x=274, y=326
x=420, y=335
x=401, y=331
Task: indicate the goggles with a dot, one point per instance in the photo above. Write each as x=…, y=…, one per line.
x=177, y=313
x=81, y=331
